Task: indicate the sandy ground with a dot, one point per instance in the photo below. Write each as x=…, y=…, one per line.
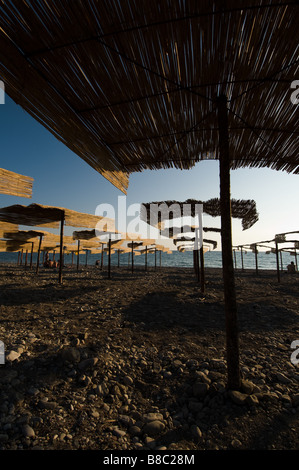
x=138, y=361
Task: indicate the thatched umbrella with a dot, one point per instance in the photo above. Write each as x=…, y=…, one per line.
x=15, y=184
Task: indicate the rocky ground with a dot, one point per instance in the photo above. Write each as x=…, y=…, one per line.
x=138, y=361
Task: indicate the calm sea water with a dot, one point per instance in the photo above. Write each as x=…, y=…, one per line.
x=176, y=259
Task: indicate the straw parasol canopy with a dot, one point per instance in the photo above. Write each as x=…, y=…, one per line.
x=132, y=85
x=41, y=215
x=241, y=209
x=15, y=184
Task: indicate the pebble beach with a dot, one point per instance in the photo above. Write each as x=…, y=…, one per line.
x=138, y=361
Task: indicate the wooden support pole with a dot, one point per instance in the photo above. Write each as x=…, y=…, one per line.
x=31, y=255
x=72, y=258
x=61, y=261
x=118, y=258
x=202, y=270
x=26, y=258
x=109, y=258
x=155, y=258
x=231, y=317
x=296, y=260
x=256, y=262
x=146, y=258
x=281, y=263
x=132, y=254
x=242, y=258
x=160, y=258
x=277, y=261
x=86, y=256
x=78, y=254
x=22, y=251
x=18, y=262
x=38, y=253
x=102, y=256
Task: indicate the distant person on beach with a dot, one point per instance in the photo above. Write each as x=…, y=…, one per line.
x=97, y=262
x=46, y=263
x=291, y=268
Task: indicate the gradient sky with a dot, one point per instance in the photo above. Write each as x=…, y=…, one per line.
x=63, y=179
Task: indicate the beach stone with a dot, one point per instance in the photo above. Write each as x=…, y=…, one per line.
x=153, y=417
x=150, y=442
x=153, y=427
x=282, y=378
x=134, y=430
x=87, y=363
x=70, y=355
x=47, y=405
x=128, y=380
x=238, y=397
x=195, y=431
x=12, y=356
x=118, y=432
x=102, y=389
x=202, y=377
x=247, y=387
x=28, y=431
x=200, y=389
x=252, y=400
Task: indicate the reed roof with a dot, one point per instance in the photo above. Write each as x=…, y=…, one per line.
x=15, y=184
x=132, y=85
x=241, y=209
x=41, y=215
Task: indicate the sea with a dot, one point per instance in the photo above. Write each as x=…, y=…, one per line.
x=212, y=259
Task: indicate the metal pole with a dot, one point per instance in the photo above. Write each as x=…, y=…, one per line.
x=232, y=333
x=61, y=262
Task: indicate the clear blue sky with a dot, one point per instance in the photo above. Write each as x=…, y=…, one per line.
x=61, y=178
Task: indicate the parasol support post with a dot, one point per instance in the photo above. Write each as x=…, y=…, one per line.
x=231, y=317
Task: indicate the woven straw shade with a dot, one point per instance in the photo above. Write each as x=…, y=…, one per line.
x=241, y=209
x=15, y=184
x=132, y=85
